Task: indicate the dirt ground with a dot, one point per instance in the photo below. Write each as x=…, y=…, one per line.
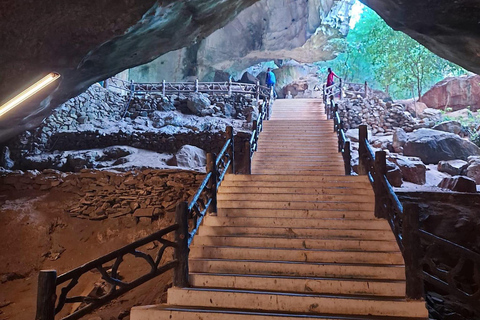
x=37, y=234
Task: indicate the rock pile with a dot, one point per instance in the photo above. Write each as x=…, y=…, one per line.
x=144, y=194
x=382, y=117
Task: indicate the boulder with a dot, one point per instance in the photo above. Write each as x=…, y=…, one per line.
x=191, y=157
x=452, y=126
x=394, y=174
x=412, y=168
x=221, y=76
x=399, y=139
x=294, y=88
x=453, y=167
x=459, y=184
x=247, y=77
x=115, y=152
x=415, y=108
x=433, y=146
x=197, y=102
x=430, y=113
x=454, y=92
x=473, y=170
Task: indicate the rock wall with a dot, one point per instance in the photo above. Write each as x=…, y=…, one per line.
x=94, y=120
x=87, y=42
x=268, y=30
x=382, y=117
x=145, y=194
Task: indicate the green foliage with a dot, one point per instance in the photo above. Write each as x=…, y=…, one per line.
x=470, y=124
x=389, y=60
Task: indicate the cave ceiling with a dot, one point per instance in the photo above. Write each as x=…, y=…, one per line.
x=88, y=41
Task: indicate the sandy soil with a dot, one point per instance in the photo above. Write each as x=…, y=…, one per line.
x=36, y=234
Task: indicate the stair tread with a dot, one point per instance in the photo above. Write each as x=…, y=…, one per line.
x=260, y=315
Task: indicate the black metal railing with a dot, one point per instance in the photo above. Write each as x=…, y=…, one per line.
x=424, y=252
x=189, y=216
x=49, y=305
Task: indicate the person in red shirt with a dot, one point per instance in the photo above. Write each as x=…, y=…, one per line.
x=330, y=76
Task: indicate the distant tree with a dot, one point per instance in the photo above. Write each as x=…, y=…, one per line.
x=389, y=59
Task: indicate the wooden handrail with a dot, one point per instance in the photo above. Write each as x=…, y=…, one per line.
x=415, y=243
x=331, y=109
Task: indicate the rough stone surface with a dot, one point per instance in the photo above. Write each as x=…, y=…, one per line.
x=400, y=137
x=473, y=170
x=452, y=126
x=453, y=167
x=380, y=116
x=459, y=184
x=394, y=174
x=433, y=146
x=197, y=103
x=454, y=92
x=305, y=31
x=415, y=108
x=412, y=168
x=191, y=157
x=87, y=42
x=107, y=195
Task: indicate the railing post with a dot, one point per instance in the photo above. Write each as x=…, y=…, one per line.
x=347, y=158
x=324, y=95
x=257, y=92
x=212, y=167
x=412, y=253
x=256, y=133
x=46, y=295
x=231, y=137
x=229, y=86
x=164, y=88
x=341, y=88
x=366, y=89
x=336, y=126
x=248, y=157
x=196, y=85
x=180, y=275
x=380, y=190
x=362, y=149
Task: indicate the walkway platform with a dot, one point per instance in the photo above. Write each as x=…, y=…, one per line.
x=296, y=239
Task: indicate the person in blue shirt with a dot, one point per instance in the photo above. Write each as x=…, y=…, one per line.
x=270, y=80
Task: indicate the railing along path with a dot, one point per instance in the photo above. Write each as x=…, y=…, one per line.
x=140, y=89
x=54, y=292
x=419, y=247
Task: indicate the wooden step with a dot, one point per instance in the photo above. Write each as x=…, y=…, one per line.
x=295, y=190
x=298, y=255
x=298, y=233
x=298, y=269
x=345, y=198
x=295, y=184
x=324, y=205
x=196, y=313
x=300, y=284
x=301, y=303
x=371, y=224
x=301, y=178
x=295, y=213
x=330, y=244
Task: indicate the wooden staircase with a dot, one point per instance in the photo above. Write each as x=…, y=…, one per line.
x=296, y=239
